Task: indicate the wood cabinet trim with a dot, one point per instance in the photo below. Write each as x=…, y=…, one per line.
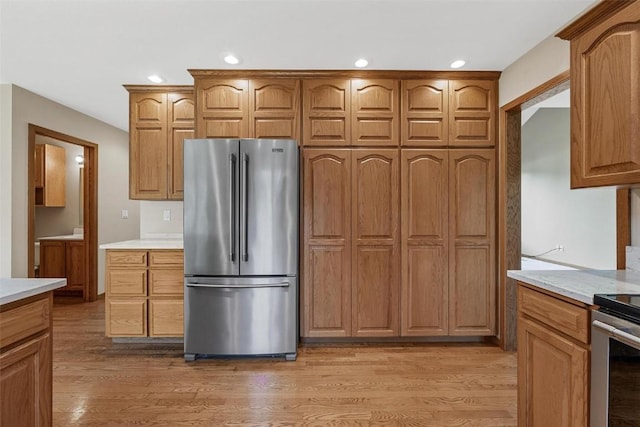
x=598, y=13
x=366, y=74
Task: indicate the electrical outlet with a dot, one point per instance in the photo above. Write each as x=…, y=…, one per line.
x=166, y=215
x=124, y=214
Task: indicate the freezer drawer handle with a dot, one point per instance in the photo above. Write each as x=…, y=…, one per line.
x=232, y=213
x=245, y=200
x=262, y=285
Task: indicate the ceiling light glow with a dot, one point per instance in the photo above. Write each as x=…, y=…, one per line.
x=155, y=78
x=458, y=63
x=231, y=59
x=361, y=63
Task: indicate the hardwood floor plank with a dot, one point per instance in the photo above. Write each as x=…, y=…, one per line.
x=100, y=383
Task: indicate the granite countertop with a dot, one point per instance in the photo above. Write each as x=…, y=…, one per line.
x=581, y=285
x=16, y=289
x=145, y=244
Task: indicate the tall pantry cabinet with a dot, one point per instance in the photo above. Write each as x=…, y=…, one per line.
x=399, y=241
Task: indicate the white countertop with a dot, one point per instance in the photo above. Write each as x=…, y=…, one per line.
x=16, y=289
x=145, y=244
x=65, y=237
x=581, y=285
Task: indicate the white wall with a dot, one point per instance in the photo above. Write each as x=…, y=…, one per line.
x=113, y=180
x=5, y=180
x=62, y=220
x=152, y=223
x=545, y=61
x=583, y=221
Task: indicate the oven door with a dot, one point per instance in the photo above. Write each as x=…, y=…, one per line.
x=615, y=371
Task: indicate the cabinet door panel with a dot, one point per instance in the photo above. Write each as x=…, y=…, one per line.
x=129, y=282
x=148, y=150
x=166, y=282
x=425, y=113
x=326, y=109
x=222, y=107
x=274, y=106
x=472, y=242
x=605, y=88
x=375, y=204
x=75, y=265
x=375, y=292
x=552, y=377
x=182, y=126
x=166, y=318
x=472, y=112
x=374, y=112
x=327, y=243
x=327, y=300
x=52, y=258
x=126, y=318
x=424, y=242
x=25, y=383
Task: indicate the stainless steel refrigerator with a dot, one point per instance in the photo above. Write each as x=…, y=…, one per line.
x=241, y=221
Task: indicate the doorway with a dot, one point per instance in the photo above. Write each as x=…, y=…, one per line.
x=510, y=206
x=87, y=186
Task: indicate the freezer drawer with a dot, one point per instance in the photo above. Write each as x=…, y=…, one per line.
x=241, y=316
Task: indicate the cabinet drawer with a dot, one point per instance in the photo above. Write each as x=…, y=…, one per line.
x=560, y=315
x=166, y=282
x=126, y=258
x=130, y=282
x=166, y=318
x=166, y=258
x=127, y=318
x=23, y=321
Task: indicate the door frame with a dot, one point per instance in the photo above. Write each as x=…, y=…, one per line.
x=89, y=207
x=509, y=205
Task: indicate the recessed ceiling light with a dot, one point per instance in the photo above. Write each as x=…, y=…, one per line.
x=361, y=63
x=231, y=59
x=457, y=64
x=155, y=78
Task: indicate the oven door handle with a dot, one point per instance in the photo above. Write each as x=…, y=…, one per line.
x=618, y=334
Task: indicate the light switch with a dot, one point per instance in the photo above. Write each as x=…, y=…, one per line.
x=124, y=214
x=166, y=215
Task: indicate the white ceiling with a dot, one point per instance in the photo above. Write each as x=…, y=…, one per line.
x=80, y=52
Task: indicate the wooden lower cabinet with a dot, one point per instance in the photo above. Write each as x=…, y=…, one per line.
x=144, y=293
x=26, y=362
x=553, y=366
x=64, y=258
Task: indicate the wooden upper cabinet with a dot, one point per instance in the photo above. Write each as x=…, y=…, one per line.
x=326, y=292
x=605, y=100
x=160, y=118
x=222, y=107
x=326, y=112
x=374, y=112
x=472, y=113
x=472, y=277
x=425, y=113
x=376, y=256
x=425, y=209
x=50, y=175
x=274, y=106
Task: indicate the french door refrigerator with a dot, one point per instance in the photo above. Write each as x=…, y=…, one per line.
x=241, y=247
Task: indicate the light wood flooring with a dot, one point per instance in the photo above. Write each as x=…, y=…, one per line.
x=100, y=383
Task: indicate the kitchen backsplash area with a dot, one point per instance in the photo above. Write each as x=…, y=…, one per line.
x=633, y=258
x=160, y=219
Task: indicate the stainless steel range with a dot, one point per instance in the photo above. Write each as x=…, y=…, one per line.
x=615, y=361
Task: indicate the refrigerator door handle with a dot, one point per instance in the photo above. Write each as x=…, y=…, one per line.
x=227, y=286
x=244, y=217
x=232, y=214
